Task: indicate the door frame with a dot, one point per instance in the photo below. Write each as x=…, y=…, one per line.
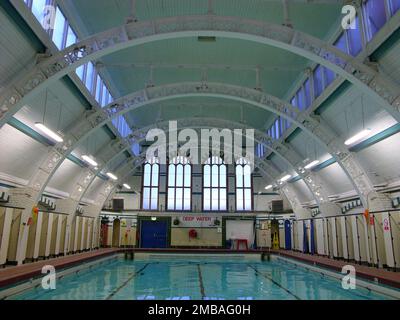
x=139, y=228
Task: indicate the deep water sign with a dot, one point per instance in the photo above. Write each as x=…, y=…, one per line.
x=190, y=221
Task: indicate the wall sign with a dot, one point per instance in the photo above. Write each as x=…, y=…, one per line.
x=195, y=222
x=386, y=226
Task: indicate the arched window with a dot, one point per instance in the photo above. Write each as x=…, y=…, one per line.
x=244, y=198
x=151, y=182
x=179, y=184
x=215, y=197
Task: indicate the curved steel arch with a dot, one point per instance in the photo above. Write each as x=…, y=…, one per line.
x=314, y=127
x=287, y=154
x=369, y=81
x=95, y=119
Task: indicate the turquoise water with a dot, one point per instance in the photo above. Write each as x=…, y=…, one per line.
x=199, y=279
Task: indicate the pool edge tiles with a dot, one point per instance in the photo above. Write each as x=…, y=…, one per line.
x=380, y=288
x=31, y=283
x=166, y=255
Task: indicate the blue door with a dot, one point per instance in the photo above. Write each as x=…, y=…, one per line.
x=288, y=235
x=153, y=234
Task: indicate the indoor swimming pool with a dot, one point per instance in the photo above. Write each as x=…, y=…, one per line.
x=186, y=278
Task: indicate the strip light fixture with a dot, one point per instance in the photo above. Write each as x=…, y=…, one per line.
x=112, y=176
x=362, y=134
x=286, y=178
x=89, y=160
x=268, y=187
x=311, y=164
x=48, y=132
x=127, y=186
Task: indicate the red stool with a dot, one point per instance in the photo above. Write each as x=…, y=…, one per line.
x=243, y=241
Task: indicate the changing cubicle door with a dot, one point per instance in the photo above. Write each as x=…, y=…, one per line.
x=53, y=237
x=372, y=240
x=294, y=236
x=49, y=234
x=320, y=237
x=43, y=234
x=78, y=233
x=363, y=237
x=339, y=237
x=84, y=233
x=377, y=225
x=395, y=228
x=300, y=235
x=33, y=233
x=14, y=233
x=6, y=217
x=333, y=245
x=58, y=236
x=349, y=237
x=63, y=233
x=344, y=238
x=72, y=237
x=90, y=234
x=390, y=222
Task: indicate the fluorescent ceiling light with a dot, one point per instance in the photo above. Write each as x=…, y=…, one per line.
x=286, y=178
x=112, y=176
x=268, y=187
x=127, y=186
x=153, y=218
x=312, y=164
x=357, y=137
x=50, y=133
x=89, y=160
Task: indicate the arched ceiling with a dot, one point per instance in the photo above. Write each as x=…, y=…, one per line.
x=179, y=60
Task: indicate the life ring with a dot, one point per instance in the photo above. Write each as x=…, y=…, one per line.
x=192, y=233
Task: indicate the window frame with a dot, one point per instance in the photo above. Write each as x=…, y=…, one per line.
x=183, y=186
x=244, y=188
x=151, y=186
x=227, y=186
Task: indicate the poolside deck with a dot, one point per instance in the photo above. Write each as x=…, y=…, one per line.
x=15, y=274
x=24, y=272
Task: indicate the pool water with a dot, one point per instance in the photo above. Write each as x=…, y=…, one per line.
x=198, y=279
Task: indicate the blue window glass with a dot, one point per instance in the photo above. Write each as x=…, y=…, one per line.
x=374, y=16
x=80, y=71
x=71, y=37
x=293, y=101
x=354, y=39
x=243, y=185
x=394, y=6
x=214, y=185
x=277, y=135
x=151, y=179
x=329, y=76
x=341, y=43
x=179, y=184
x=38, y=7
x=89, y=76
x=282, y=125
x=318, y=81
x=99, y=87
x=59, y=29
x=307, y=93
x=104, y=100
x=300, y=99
